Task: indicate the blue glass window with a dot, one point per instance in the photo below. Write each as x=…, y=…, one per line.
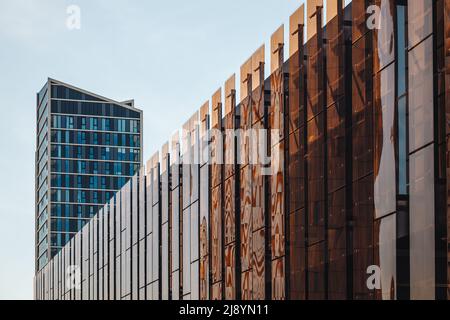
x=70, y=122
x=107, y=126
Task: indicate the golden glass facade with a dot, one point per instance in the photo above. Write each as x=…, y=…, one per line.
x=328, y=180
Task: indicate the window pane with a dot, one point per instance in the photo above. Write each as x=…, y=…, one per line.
x=420, y=15
x=385, y=170
x=421, y=95
x=385, y=255
x=422, y=222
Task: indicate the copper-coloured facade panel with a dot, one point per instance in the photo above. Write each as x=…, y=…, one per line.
x=258, y=60
x=258, y=197
x=316, y=192
x=229, y=127
x=246, y=75
x=296, y=162
x=204, y=212
x=334, y=53
x=154, y=215
x=258, y=262
x=185, y=138
x=204, y=148
x=276, y=114
x=175, y=148
x=246, y=218
x=229, y=145
x=296, y=147
x=204, y=285
x=217, y=141
x=229, y=191
x=155, y=167
x=176, y=203
x=337, y=246
x=148, y=168
x=216, y=105
x=311, y=18
x=204, y=115
x=359, y=18
x=257, y=185
x=363, y=213
x=216, y=235
x=362, y=114
x=297, y=250
x=230, y=94
x=278, y=279
x=256, y=182
x=230, y=220
x=316, y=271
x=246, y=286
x=216, y=216
x=257, y=95
x=244, y=135
x=230, y=272
x=204, y=120
x=190, y=212
x=362, y=150
x=195, y=156
x=277, y=143
x=278, y=206
x=165, y=157
x=337, y=153
x=194, y=124
x=164, y=220
x=276, y=46
x=314, y=74
x=186, y=161
x=154, y=160
x=217, y=291
x=296, y=24
x=204, y=260
x=333, y=7
x=216, y=209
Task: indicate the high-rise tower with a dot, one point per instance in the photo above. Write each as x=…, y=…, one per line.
x=88, y=147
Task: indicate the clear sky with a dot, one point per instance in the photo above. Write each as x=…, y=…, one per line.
x=169, y=56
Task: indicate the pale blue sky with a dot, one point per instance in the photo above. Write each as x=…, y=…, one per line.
x=169, y=56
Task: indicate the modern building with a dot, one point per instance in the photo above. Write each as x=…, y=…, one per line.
x=88, y=147
x=348, y=199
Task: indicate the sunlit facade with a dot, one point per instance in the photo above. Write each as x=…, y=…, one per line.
x=88, y=147
x=351, y=204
